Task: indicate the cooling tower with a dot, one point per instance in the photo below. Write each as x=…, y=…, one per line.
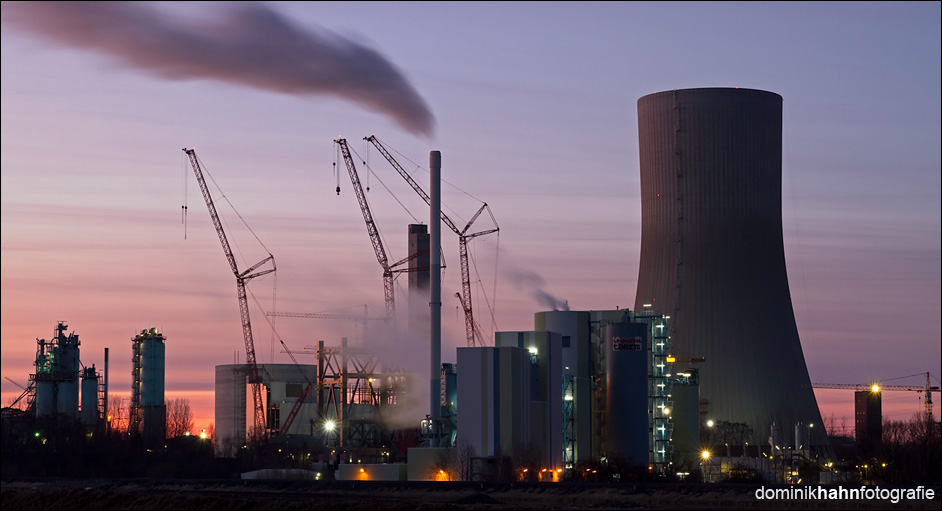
x=712, y=254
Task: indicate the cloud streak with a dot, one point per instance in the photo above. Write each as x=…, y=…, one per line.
x=249, y=45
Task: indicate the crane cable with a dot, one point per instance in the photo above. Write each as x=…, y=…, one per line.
x=183, y=208
x=223, y=196
x=370, y=171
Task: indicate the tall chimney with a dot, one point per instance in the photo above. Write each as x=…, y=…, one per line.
x=105, y=406
x=435, y=287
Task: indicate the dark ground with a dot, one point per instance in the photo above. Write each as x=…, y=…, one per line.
x=147, y=494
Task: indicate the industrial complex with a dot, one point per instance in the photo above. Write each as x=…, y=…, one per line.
x=673, y=388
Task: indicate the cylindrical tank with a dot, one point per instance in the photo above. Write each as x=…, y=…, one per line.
x=152, y=370
x=67, y=398
x=66, y=362
x=45, y=397
x=626, y=362
x=712, y=251
x=89, y=413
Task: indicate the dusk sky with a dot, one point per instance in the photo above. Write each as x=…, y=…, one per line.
x=533, y=106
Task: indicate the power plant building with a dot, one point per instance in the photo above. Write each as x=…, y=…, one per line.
x=546, y=397
x=494, y=399
x=581, y=339
x=596, y=385
x=712, y=252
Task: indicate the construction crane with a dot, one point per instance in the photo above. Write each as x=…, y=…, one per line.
x=297, y=404
x=388, y=269
x=242, y=277
x=473, y=334
x=877, y=386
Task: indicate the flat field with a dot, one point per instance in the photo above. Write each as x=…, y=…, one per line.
x=147, y=494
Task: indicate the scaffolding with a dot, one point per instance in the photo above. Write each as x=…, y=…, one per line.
x=659, y=388
x=569, y=431
x=354, y=397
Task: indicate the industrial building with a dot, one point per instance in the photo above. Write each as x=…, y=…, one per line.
x=712, y=252
x=868, y=420
x=54, y=387
x=583, y=386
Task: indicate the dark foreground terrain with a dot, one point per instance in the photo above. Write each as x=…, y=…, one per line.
x=147, y=494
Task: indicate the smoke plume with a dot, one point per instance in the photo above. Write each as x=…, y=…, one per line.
x=526, y=280
x=250, y=45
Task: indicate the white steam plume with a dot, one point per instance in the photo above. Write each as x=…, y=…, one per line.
x=250, y=45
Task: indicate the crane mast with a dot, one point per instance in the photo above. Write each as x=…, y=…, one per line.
x=472, y=333
x=242, y=277
x=371, y=229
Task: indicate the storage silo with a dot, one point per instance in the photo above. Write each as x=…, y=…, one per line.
x=626, y=362
x=45, y=384
x=89, y=413
x=45, y=397
x=67, y=360
x=712, y=251
x=148, y=410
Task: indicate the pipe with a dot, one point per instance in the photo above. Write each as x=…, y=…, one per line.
x=105, y=411
x=435, y=283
